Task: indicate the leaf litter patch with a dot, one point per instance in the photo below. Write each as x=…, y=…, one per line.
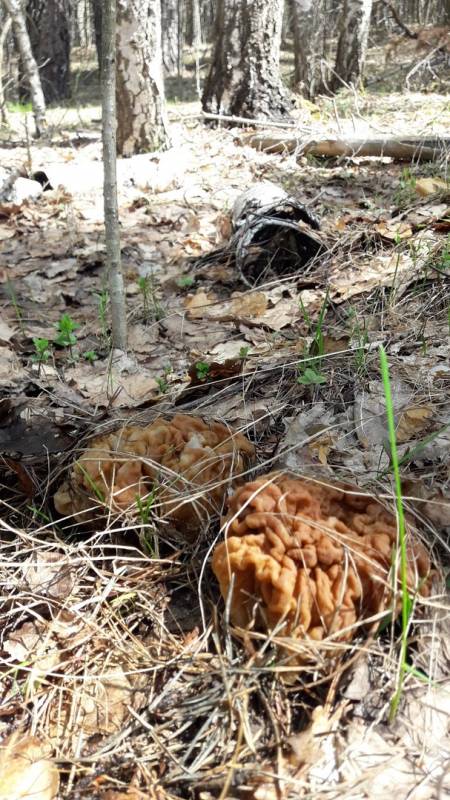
x=115, y=640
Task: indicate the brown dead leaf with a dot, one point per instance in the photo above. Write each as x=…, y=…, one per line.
x=47, y=574
x=331, y=345
x=393, y=231
x=6, y=331
x=33, y=644
x=249, y=306
x=320, y=447
x=98, y=707
x=428, y=186
x=26, y=770
x=433, y=503
x=112, y=389
x=11, y=370
x=197, y=304
x=412, y=421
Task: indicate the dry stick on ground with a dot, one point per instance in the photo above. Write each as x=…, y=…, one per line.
x=113, y=261
x=30, y=68
x=402, y=150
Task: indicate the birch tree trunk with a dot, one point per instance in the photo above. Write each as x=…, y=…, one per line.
x=3, y=36
x=310, y=23
x=352, y=42
x=29, y=65
x=244, y=78
x=141, y=112
x=112, y=235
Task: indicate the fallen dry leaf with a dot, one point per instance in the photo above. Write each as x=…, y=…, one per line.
x=412, y=421
x=26, y=770
x=33, y=645
x=98, y=707
x=427, y=186
x=394, y=231
x=47, y=574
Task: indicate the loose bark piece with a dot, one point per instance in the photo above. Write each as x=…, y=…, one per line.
x=399, y=149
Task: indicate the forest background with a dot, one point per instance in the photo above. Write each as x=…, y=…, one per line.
x=121, y=675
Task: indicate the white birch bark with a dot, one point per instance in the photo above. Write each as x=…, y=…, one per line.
x=30, y=68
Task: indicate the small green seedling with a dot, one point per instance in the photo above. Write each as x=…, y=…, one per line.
x=185, y=281
x=310, y=377
x=66, y=337
x=163, y=386
x=144, y=507
x=91, y=483
x=405, y=596
x=42, y=351
x=202, y=370
x=406, y=190
x=90, y=355
x=243, y=352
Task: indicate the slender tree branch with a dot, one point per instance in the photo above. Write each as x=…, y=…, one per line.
x=113, y=261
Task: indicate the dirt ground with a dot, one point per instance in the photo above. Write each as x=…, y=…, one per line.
x=122, y=676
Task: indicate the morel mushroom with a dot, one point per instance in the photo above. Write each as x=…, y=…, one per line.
x=185, y=462
x=309, y=560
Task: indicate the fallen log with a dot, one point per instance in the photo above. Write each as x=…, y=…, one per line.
x=410, y=149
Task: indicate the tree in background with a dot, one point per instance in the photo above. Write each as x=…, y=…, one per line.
x=29, y=66
x=48, y=23
x=310, y=23
x=172, y=36
x=141, y=113
x=244, y=78
x=96, y=6
x=352, y=42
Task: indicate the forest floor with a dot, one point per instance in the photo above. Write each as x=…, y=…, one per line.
x=117, y=660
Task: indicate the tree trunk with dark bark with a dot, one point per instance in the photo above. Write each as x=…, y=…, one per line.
x=172, y=40
x=352, y=42
x=244, y=78
x=97, y=14
x=141, y=113
x=48, y=24
x=309, y=24
x=29, y=66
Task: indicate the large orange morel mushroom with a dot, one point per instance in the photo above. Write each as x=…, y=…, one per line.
x=184, y=465
x=310, y=562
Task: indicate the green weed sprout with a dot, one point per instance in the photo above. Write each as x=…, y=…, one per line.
x=406, y=600
x=202, y=370
x=310, y=377
x=145, y=506
x=184, y=281
x=66, y=337
x=90, y=355
x=42, y=351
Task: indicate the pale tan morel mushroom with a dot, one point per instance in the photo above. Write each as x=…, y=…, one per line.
x=308, y=561
x=185, y=463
